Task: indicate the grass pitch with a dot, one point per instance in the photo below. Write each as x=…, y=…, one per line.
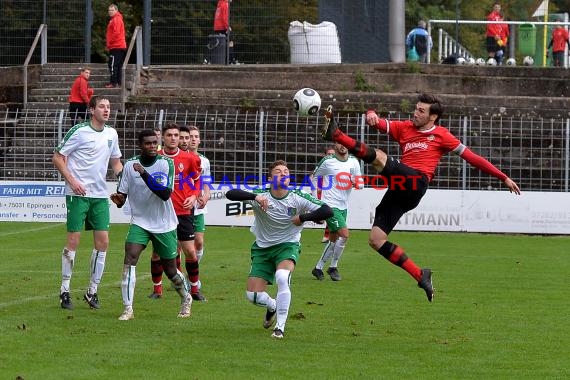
x=500, y=311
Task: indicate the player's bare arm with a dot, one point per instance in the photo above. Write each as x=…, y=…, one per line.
x=59, y=161
x=116, y=165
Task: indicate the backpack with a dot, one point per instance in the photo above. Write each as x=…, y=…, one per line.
x=421, y=44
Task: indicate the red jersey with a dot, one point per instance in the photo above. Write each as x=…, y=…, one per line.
x=80, y=91
x=187, y=169
x=559, y=39
x=116, y=33
x=422, y=150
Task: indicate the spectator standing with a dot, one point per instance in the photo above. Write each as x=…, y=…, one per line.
x=419, y=43
x=222, y=26
x=558, y=43
x=494, y=31
x=116, y=45
x=80, y=95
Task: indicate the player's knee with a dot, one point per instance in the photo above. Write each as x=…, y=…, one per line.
x=282, y=278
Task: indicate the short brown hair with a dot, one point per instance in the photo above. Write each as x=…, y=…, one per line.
x=275, y=164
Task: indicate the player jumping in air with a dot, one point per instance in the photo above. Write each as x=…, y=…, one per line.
x=422, y=142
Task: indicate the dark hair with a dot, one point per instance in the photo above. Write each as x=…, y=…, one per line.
x=145, y=133
x=275, y=164
x=435, y=107
x=184, y=128
x=96, y=99
x=170, y=125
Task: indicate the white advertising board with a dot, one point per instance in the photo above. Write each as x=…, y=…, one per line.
x=440, y=210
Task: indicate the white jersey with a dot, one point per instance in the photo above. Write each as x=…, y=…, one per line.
x=148, y=211
x=87, y=153
x=337, y=179
x=274, y=226
x=207, y=176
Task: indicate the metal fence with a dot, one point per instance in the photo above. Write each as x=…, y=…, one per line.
x=534, y=152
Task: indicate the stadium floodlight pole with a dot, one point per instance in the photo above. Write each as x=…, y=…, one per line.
x=147, y=21
x=457, y=15
x=88, y=25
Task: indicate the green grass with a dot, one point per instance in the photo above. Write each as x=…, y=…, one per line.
x=500, y=312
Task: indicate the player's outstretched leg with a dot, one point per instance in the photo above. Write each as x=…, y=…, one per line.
x=331, y=132
x=425, y=283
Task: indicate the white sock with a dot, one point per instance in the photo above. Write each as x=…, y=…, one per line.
x=261, y=299
x=128, y=284
x=327, y=252
x=283, y=299
x=97, y=267
x=199, y=254
x=67, y=261
x=338, y=250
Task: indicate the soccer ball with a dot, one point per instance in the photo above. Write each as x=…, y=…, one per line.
x=471, y=61
x=460, y=61
x=480, y=62
x=511, y=62
x=307, y=102
x=528, y=61
x=491, y=62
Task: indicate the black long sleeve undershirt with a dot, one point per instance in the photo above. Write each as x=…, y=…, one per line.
x=161, y=191
x=322, y=213
x=240, y=195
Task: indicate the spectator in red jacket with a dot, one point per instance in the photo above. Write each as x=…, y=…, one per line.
x=222, y=25
x=558, y=44
x=80, y=95
x=116, y=45
x=494, y=31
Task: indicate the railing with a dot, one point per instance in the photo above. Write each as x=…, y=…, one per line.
x=42, y=32
x=511, y=42
x=535, y=152
x=135, y=39
x=447, y=45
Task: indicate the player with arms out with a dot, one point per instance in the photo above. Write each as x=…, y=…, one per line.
x=148, y=181
x=422, y=142
x=338, y=172
x=82, y=158
x=186, y=189
x=279, y=216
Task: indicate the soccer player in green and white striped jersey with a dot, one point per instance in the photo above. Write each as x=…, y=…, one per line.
x=338, y=173
x=279, y=216
x=148, y=181
x=82, y=158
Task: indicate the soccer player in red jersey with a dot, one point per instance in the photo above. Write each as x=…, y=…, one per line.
x=186, y=189
x=423, y=142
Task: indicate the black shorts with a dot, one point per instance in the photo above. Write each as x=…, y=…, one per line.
x=492, y=45
x=185, y=228
x=406, y=188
